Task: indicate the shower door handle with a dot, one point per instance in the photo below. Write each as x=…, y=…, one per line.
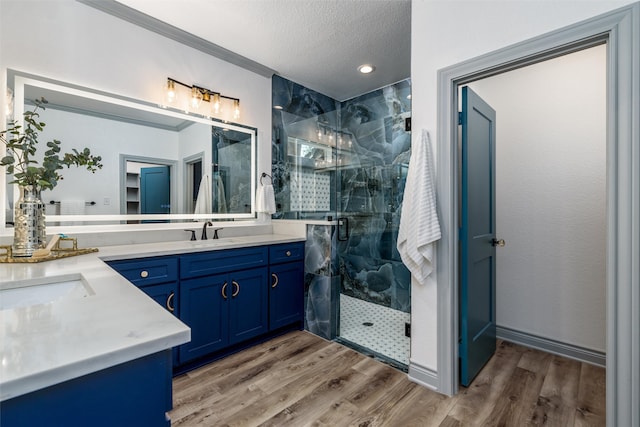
x=343, y=229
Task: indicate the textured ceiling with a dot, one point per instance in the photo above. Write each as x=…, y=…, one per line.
x=316, y=43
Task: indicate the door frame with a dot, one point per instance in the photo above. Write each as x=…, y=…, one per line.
x=620, y=30
x=173, y=184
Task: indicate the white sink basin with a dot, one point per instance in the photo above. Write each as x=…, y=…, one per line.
x=43, y=291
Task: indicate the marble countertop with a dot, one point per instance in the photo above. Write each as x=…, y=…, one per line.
x=47, y=343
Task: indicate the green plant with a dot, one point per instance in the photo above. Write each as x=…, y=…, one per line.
x=21, y=148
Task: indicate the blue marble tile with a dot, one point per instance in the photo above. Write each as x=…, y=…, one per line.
x=374, y=150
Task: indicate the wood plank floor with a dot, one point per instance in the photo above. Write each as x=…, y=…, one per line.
x=300, y=379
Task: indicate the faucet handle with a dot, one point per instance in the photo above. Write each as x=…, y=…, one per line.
x=193, y=234
x=215, y=232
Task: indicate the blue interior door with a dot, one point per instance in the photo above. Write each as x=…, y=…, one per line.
x=477, y=237
x=154, y=190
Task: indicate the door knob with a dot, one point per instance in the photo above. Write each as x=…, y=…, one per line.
x=496, y=242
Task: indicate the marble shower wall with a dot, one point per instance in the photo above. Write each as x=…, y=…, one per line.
x=371, y=186
x=360, y=150
x=322, y=283
x=302, y=116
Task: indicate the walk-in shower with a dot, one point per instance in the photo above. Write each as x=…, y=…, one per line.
x=341, y=166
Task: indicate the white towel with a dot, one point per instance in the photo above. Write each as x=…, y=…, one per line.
x=220, y=194
x=419, y=226
x=203, y=201
x=265, y=199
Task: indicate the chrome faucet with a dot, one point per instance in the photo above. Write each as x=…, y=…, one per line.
x=204, y=230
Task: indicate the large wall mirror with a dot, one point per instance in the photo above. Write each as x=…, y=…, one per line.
x=160, y=165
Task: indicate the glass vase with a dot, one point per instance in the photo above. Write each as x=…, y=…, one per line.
x=29, y=231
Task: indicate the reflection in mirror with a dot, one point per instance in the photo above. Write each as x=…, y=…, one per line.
x=159, y=165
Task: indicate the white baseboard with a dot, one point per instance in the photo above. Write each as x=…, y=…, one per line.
x=424, y=376
x=551, y=346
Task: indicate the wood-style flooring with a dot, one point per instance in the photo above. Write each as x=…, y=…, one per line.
x=300, y=379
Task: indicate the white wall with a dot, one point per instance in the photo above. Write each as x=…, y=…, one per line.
x=551, y=197
x=105, y=138
x=194, y=139
x=444, y=33
x=71, y=42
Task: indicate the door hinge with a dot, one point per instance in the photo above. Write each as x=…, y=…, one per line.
x=460, y=118
x=407, y=330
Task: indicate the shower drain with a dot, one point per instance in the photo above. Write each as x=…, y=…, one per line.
x=367, y=324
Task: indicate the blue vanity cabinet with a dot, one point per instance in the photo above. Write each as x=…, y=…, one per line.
x=205, y=310
x=223, y=299
x=156, y=277
x=230, y=298
x=134, y=393
x=286, y=290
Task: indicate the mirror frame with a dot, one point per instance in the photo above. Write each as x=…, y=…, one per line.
x=20, y=80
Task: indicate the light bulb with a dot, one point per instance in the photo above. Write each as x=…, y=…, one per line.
x=236, y=108
x=196, y=98
x=170, y=93
x=216, y=103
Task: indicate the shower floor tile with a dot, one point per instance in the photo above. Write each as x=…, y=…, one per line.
x=376, y=327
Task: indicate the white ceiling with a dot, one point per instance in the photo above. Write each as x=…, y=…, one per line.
x=316, y=43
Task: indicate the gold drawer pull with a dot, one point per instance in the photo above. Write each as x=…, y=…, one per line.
x=224, y=290
x=275, y=280
x=169, y=301
x=288, y=253
x=144, y=274
x=237, y=289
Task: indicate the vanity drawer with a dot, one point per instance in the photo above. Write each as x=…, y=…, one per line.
x=222, y=261
x=147, y=271
x=286, y=252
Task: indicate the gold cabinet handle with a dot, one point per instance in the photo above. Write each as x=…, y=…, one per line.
x=275, y=280
x=288, y=253
x=224, y=290
x=169, y=301
x=236, y=291
x=144, y=274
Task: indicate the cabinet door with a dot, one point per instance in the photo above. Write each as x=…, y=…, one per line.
x=248, y=309
x=286, y=294
x=166, y=296
x=204, y=308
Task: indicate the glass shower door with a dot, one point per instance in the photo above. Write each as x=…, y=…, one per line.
x=372, y=159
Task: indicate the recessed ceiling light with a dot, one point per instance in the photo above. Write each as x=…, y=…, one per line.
x=366, y=68
x=278, y=107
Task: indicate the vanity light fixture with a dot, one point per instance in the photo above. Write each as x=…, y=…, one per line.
x=366, y=68
x=199, y=94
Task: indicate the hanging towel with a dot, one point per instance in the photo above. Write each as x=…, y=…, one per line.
x=265, y=199
x=220, y=194
x=203, y=201
x=419, y=226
